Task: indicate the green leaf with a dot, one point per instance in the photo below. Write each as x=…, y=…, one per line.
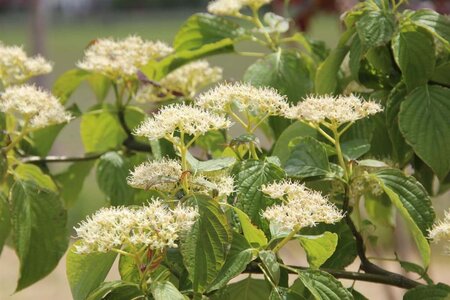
x=67, y=83
x=71, y=181
x=252, y=234
x=270, y=262
x=424, y=123
x=430, y=292
x=437, y=24
x=116, y=290
x=414, y=53
x=165, y=290
x=326, y=80
x=85, y=272
x=205, y=247
x=250, y=175
x=324, y=286
x=345, y=252
x=201, y=29
x=413, y=203
x=112, y=172
x=211, y=165
x=5, y=220
x=100, y=131
x=247, y=289
x=39, y=227
x=318, y=248
x=441, y=73
x=375, y=28
x=357, y=51
x=127, y=269
x=354, y=149
x=380, y=210
x=412, y=267
x=285, y=71
x=100, y=85
x=234, y=266
x=297, y=129
x=307, y=159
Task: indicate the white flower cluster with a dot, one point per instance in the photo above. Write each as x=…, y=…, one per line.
x=38, y=106
x=335, y=109
x=16, y=67
x=121, y=58
x=232, y=7
x=258, y=100
x=301, y=207
x=441, y=231
x=186, y=80
x=164, y=175
x=153, y=225
x=180, y=117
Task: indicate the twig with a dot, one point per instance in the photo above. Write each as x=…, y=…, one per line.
x=60, y=159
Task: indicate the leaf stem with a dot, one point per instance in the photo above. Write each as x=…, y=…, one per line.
x=286, y=239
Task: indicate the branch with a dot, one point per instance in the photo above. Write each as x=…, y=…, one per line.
x=398, y=280
x=60, y=159
x=130, y=142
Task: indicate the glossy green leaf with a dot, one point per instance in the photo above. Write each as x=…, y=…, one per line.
x=252, y=234
x=307, y=159
x=413, y=204
x=318, y=248
x=5, y=220
x=165, y=290
x=116, y=290
x=414, y=53
x=39, y=227
x=424, y=123
x=326, y=80
x=205, y=247
x=437, y=24
x=323, y=286
x=430, y=292
x=375, y=28
x=249, y=177
x=100, y=131
x=85, y=272
x=112, y=172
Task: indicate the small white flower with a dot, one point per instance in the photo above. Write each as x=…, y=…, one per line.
x=335, y=109
x=225, y=7
x=153, y=225
x=302, y=207
x=16, y=67
x=121, y=58
x=39, y=106
x=180, y=117
x=221, y=183
x=258, y=100
x=441, y=231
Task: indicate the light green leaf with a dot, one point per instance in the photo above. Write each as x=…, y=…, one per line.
x=326, y=80
x=100, y=85
x=307, y=159
x=375, y=28
x=424, y=123
x=354, y=149
x=71, y=181
x=252, y=234
x=323, y=286
x=210, y=165
x=100, y=131
x=5, y=220
x=29, y=172
x=270, y=262
x=68, y=82
x=39, y=226
x=380, y=210
x=318, y=248
x=250, y=175
x=430, y=292
x=414, y=53
x=205, y=247
x=437, y=24
x=85, y=272
x=112, y=172
x=413, y=204
x=165, y=290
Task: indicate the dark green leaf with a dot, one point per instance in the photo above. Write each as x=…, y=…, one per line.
x=412, y=267
x=307, y=159
x=250, y=175
x=375, y=28
x=414, y=53
x=100, y=131
x=437, y=24
x=205, y=247
x=5, y=220
x=441, y=74
x=412, y=202
x=324, y=286
x=354, y=149
x=247, y=289
x=318, y=248
x=424, y=123
x=39, y=227
x=270, y=263
x=112, y=172
x=116, y=290
x=326, y=80
x=430, y=292
x=85, y=272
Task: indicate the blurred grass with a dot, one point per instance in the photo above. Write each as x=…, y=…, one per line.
x=67, y=38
